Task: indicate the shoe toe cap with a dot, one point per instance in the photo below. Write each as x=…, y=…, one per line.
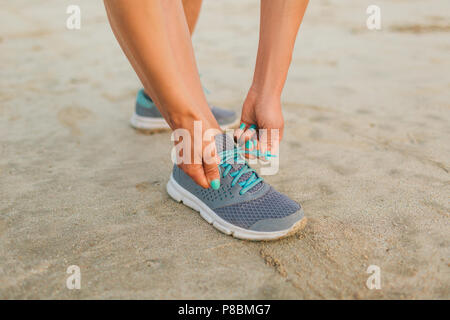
x=278, y=224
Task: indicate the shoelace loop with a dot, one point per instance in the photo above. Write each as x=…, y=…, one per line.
x=235, y=157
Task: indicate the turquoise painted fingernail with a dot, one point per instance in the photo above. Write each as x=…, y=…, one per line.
x=215, y=184
x=242, y=127
x=249, y=144
x=252, y=127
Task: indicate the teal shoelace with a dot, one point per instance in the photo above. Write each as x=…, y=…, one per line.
x=235, y=157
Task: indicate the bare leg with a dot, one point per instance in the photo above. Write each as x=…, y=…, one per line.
x=280, y=21
x=155, y=37
x=192, y=11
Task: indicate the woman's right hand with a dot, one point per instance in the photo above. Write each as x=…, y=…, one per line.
x=195, y=150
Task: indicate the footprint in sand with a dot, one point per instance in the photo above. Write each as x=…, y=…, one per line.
x=71, y=116
x=419, y=28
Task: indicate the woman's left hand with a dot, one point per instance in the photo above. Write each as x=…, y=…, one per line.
x=262, y=123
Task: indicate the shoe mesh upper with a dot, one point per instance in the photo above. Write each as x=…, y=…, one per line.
x=259, y=203
x=272, y=205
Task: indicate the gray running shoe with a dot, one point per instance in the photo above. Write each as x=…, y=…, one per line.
x=244, y=206
x=147, y=117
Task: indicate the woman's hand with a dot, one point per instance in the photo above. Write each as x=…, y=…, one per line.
x=262, y=123
x=195, y=150
x=280, y=21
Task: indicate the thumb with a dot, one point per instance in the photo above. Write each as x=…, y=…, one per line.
x=211, y=166
x=270, y=141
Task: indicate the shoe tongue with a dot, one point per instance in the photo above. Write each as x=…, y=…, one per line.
x=225, y=142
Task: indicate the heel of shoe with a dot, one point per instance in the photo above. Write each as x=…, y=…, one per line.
x=172, y=191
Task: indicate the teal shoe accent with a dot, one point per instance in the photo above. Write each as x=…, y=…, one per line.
x=235, y=156
x=147, y=110
x=144, y=100
x=242, y=126
x=252, y=127
x=249, y=144
x=215, y=184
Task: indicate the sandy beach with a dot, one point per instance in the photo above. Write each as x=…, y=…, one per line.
x=366, y=152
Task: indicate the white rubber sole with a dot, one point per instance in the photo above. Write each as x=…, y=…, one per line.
x=179, y=194
x=159, y=124
x=147, y=123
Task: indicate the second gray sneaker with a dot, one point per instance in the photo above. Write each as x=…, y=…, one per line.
x=147, y=117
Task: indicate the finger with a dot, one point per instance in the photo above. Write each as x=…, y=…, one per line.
x=212, y=175
x=251, y=145
x=247, y=135
x=269, y=142
x=211, y=165
x=239, y=131
x=246, y=143
x=196, y=172
x=251, y=149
